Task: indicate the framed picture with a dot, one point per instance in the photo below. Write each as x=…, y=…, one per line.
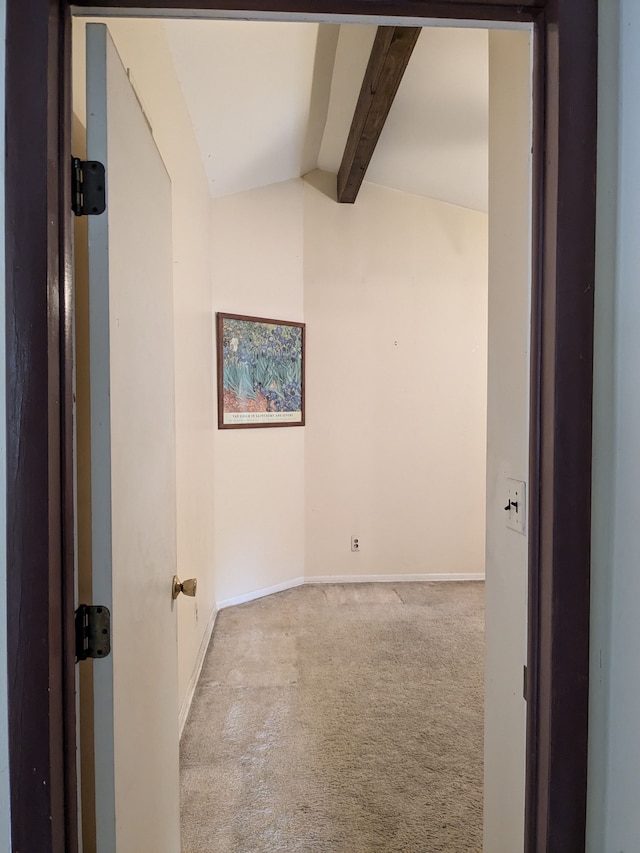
x=260, y=372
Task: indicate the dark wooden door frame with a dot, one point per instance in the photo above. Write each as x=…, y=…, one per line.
x=39, y=404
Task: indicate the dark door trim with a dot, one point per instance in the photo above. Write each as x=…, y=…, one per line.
x=40, y=600
x=39, y=362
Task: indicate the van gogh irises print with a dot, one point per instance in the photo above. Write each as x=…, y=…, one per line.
x=260, y=372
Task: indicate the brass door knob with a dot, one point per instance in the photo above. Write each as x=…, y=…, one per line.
x=187, y=587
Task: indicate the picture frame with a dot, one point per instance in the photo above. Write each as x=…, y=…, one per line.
x=260, y=368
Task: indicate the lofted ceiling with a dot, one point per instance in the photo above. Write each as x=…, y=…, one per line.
x=272, y=101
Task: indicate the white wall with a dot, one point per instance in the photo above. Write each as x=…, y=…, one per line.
x=508, y=435
x=614, y=758
x=604, y=438
x=143, y=47
x=258, y=515
x=396, y=301
x=5, y=828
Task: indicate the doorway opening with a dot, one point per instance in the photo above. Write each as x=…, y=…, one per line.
x=198, y=418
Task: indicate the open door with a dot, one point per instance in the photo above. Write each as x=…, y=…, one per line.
x=133, y=489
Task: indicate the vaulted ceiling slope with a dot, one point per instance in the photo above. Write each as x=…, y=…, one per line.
x=272, y=101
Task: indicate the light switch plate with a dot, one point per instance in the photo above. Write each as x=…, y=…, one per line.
x=516, y=505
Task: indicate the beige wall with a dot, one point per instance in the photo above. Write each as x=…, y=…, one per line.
x=258, y=518
x=396, y=301
x=507, y=435
x=143, y=48
x=394, y=292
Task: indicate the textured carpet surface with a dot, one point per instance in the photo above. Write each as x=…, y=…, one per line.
x=339, y=719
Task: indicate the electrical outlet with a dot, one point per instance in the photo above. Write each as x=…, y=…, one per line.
x=355, y=543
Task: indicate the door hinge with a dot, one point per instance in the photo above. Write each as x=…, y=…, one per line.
x=93, y=631
x=88, y=197
x=525, y=683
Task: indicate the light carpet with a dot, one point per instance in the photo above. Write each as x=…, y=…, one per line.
x=340, y=719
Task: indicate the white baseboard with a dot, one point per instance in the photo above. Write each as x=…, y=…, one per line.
x=465, y=576
x=195, y=675
x=259, y=593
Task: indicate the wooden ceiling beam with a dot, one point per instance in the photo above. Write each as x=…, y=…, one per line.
x=390, y=54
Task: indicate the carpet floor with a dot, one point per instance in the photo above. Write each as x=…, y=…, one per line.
x=339, y=719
